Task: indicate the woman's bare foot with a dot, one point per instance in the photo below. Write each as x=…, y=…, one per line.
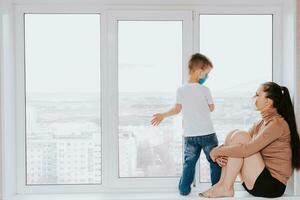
x=218, y=190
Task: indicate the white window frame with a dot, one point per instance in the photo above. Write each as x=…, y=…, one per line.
x=20, y=98
x=169, y=183
x=276, y=43
x=279, y=8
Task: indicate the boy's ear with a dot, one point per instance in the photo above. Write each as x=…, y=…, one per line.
x=199, y=70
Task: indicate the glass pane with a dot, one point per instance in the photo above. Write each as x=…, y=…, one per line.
x=63, y=124
x=240, y=47
x=150, y=70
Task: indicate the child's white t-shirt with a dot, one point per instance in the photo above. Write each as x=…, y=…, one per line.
x=194, y=99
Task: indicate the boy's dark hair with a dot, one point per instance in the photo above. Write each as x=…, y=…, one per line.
x=198, y=60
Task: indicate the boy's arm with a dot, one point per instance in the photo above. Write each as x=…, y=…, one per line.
x=158, y=117
x=173, y=111
x=211, y=107
x=209, y=99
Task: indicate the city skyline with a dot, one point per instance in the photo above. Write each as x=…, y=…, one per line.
x=61, y=143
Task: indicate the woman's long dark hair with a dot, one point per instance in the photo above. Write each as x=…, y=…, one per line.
x=282, y=102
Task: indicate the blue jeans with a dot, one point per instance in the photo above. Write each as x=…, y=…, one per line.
x=192, y=150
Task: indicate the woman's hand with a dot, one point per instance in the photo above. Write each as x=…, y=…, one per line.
x=222, y=161
x=213, y=154
x=157, y=118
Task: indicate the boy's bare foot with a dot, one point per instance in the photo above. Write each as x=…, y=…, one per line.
x=217, y=190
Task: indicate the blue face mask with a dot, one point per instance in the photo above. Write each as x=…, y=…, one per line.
x=202, y=80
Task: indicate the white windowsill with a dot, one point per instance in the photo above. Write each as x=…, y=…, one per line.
x=134, y=196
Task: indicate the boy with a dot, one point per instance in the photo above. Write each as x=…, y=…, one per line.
x=196, y=103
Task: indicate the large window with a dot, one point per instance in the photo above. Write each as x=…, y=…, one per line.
x=63, y=124
x=240, y=47
x=87, y=121
x=150, y=70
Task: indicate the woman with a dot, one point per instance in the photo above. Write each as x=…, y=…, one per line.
x=266, y=155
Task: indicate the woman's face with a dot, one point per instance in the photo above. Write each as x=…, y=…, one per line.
x=261, y=101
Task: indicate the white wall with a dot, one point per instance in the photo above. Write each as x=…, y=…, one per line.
x=7, y=67
x=1, y=104
x=149, y=2
x=7, y=106
x=289, y=59
x=297, y=74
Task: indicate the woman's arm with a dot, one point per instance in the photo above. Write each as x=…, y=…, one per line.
x=269, y=134
x=253, y=129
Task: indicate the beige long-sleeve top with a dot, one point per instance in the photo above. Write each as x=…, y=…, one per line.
x=271, y=137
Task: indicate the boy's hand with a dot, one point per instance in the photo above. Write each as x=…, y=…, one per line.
x=157, y=118
x=211, y=107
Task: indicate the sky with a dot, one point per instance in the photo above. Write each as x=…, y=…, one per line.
x=63, y=53
x=240, y=47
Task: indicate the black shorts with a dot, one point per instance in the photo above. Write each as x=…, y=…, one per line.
x=266, y=186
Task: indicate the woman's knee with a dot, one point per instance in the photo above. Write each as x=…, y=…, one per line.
x=240, y=137
x=229, y=136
